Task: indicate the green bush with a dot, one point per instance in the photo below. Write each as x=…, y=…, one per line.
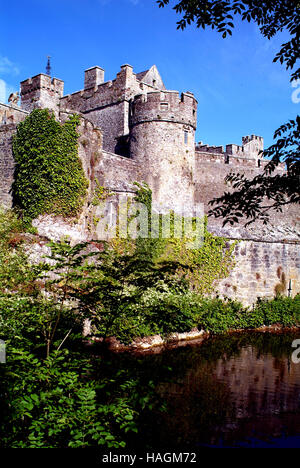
x=282, y=310
x=56, y=403
x=15, y=272
x=171, y=313
x=217, y=315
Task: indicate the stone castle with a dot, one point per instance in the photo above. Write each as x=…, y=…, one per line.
x=134, y=129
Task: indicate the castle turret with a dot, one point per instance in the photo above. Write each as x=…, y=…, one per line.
x=162, y=140
x=252, y=145
x=93, y=77
x=42, y=92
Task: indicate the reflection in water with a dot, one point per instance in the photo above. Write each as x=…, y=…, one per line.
x=231, y=390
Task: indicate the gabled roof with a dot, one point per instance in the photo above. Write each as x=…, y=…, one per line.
x=151, y=77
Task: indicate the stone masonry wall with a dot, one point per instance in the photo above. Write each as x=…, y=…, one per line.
x=7, y=164
x=111, y=120
x=11, y=114
x=157, y=126
x=107, y=105
x=169, y=171
x=262, y=269
x=210, y=171
x=267, y=256
x=162, y=128
x=41, y=91
x=117, y=173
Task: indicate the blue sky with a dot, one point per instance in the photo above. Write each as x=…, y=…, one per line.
x=239, y=90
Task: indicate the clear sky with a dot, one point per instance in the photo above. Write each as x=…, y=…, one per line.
x=239, y=90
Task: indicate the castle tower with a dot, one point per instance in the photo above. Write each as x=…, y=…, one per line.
x=40, y=92
x=252, y=145
x=93, y=77
x=162, y=140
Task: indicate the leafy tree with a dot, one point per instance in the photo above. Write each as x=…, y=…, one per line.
x=268, y=190
x=50, y=393
x=254, y=198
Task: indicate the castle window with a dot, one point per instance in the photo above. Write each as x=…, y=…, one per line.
x=186, y=137
x=226, y=159
x=164, y=106
x=154, y=82
x=258, y=162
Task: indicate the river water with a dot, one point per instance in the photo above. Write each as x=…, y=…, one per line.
x=239, y=390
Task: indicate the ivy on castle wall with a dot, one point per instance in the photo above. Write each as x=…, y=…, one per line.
x=203, y=267
x=49, y=177
x=207, y=265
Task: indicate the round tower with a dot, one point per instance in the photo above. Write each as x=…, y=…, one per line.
x=162, y=140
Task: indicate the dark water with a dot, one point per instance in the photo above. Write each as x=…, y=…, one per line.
x=231, y=391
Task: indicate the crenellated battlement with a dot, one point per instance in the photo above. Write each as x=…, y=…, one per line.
x=41, y=91
x=93, y=77
x=42, y=81
x=200, y=147
x=248, y=138
x=164, y=106
x=249, y=151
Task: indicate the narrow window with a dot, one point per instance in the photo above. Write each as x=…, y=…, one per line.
x=226, y=158
x=186, y=137
x=154, y=82
x=164, y=106
x=258, y=162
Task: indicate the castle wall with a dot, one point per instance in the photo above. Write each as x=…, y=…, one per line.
x=11, y=114
x=210, y=171
x=7, y=164
x=261, y=270
x=134, y=116
x=169, y=171
x=250, y=150
x=162, y=129
x=117, y=173
x=106, y=105
x=267, y=256
x=40, y=92
x=111, y=117
x=93, y=77
x=252, y=145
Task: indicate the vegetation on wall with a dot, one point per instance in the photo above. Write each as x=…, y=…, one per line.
x=49, y=177
x=54, y=393
x=203, y=267
x=207, y=265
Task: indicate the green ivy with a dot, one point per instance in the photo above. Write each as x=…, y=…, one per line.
x=49, y=177
x=203, y=267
